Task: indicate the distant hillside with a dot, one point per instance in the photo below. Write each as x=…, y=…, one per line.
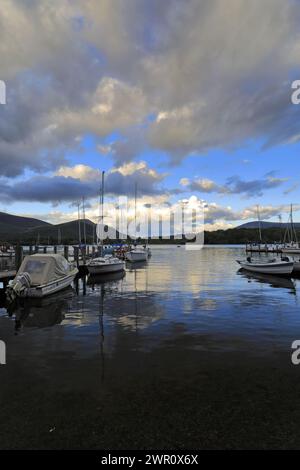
x=255, y=224
x=14, y=225
x=245, y=235
x=67, y=232
x=26, y=230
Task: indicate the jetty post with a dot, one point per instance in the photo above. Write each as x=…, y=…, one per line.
x=76, y=255
x=66, y=252
x=18, y=256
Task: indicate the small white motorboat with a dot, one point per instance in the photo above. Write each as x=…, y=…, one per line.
x=137, y=254
x=105, y=264
x=6, y=252
x=272, y=266
x=40, y=275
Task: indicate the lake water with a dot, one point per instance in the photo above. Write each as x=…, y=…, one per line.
x=183, y=351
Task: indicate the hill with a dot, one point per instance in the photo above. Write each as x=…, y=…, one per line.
x=264, y=225
x=67, y=232
x=14, y=225
x=26, y=230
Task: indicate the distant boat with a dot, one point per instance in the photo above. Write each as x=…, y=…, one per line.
x=6, y=252
x=137, y=253
x=40, y=275
x=271, y=267
x=259, y=246
x=291, y=235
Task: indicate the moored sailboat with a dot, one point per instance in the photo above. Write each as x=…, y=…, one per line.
x=107, y=263
x=137, y=253
x=291, y=244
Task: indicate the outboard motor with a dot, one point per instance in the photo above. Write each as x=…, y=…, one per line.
x=18, y=286
x=285, y=258
x=249, y=259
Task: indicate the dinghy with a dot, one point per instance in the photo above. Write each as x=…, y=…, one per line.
x=272, y=266
x=40, y=275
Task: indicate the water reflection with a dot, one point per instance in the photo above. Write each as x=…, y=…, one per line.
x=191, y=295
x=94, y=279
x=40, y=313
x=271, y=280
x=184, y=331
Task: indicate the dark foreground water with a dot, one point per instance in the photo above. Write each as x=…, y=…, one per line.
x=182, y=352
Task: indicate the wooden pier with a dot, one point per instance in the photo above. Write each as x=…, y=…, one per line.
x=262, y=248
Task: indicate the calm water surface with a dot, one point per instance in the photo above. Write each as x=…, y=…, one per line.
x=165, y=357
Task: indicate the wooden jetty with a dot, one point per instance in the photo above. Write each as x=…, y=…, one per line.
x=263, y=248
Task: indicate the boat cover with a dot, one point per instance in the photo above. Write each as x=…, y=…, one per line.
x=44, y=268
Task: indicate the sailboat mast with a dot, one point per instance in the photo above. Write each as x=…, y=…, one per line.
x=84, y=226
x=259, y=224
x=79, y=227
x=293, y=230
x=102, y=212
x=135, y=196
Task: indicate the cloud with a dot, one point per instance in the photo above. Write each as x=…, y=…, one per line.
x=216, y=213
x=292, y=188
x=70, y=184
x=88, y=67
x=81, y=172
x=234, y=185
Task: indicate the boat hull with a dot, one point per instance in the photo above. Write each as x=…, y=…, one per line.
x=50, y=288
x=6, y=255
x=268, y=268
x=296, y=266
x=133, y=257
x=105, y=269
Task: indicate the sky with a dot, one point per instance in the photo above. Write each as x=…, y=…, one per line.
x=185, y=98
